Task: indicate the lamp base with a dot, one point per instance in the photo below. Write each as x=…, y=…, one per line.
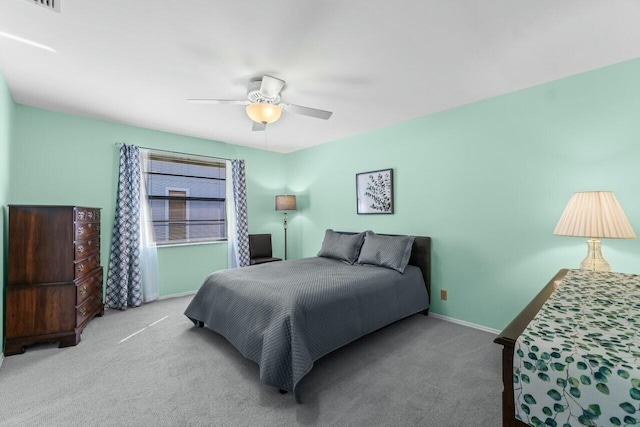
x=594, y=260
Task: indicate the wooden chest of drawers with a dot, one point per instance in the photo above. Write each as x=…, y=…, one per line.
x=54, y=285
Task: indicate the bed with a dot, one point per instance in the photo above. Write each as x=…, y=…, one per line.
x=286, y=315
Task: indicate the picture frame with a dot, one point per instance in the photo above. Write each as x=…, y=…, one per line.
x=374, y=192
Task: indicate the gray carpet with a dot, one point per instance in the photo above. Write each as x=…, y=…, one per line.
x=419, y=371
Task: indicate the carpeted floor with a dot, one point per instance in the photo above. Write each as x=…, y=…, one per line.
x=420, y=371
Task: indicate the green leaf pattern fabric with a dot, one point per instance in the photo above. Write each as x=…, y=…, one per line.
x=578, y=362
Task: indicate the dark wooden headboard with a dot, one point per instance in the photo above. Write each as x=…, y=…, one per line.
x=420, y=256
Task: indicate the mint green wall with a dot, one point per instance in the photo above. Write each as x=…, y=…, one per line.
x=488, y=181
x=65, y=159
x=6, y=124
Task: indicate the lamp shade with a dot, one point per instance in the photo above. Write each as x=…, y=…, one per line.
x=594, y=214
x=263, y=113
x=285, y=202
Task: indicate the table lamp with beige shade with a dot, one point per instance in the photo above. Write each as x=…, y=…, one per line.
x=594, y=214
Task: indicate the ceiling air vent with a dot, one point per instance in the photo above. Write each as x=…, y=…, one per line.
x=49, y=4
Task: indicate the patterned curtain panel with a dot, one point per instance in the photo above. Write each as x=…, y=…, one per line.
x=123, y=280
x=241, y=241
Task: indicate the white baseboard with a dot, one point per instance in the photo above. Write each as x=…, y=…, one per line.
x=437, y=316
x=181, y=294
x=464, y=323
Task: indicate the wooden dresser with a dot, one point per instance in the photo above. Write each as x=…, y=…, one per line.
x=54, y=285
x=508, y=338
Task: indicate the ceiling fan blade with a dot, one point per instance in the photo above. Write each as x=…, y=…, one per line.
x=257, y=127
x=271, y=87
x=219, y=101
x=306, y=111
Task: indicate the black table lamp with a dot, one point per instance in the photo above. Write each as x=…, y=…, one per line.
x=285, y=203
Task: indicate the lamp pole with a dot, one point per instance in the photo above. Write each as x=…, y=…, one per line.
x=285, y=236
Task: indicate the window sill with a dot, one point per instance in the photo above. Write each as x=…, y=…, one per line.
x=173, y=245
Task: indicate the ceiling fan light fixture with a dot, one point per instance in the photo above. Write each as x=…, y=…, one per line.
x=263, y=113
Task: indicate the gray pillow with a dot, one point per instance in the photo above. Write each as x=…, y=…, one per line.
x=386, y=251
x=344, y=247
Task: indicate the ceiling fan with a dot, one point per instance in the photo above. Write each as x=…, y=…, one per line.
x=263, y=104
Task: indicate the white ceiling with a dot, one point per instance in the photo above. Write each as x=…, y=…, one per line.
x=372, y=62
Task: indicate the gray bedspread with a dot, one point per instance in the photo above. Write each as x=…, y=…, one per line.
x=285, y=315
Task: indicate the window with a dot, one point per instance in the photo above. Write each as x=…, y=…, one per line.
x=187, y=197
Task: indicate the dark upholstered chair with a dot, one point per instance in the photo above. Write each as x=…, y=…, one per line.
x=260, y=249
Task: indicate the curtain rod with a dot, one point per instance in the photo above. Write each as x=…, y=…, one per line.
x=120, y=144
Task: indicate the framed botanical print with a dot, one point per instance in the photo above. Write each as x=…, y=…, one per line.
x=374, y=192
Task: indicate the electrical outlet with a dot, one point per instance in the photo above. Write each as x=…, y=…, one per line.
x=443, y=294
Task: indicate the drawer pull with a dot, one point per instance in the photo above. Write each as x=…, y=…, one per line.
x=80, y=231
x=81, y=267
x=80, y=215
x=90, y=225
x=90, y=215
x=83, y=311
x=83, y=290
x=80, y=249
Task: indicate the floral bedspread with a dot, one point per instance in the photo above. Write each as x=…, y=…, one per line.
x=578, y=361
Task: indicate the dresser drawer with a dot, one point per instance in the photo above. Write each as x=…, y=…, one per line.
x=86, y=230
x=87, y=309
x=84, y=248
x=86, y=215
x=89, y=287
x=86, y=266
